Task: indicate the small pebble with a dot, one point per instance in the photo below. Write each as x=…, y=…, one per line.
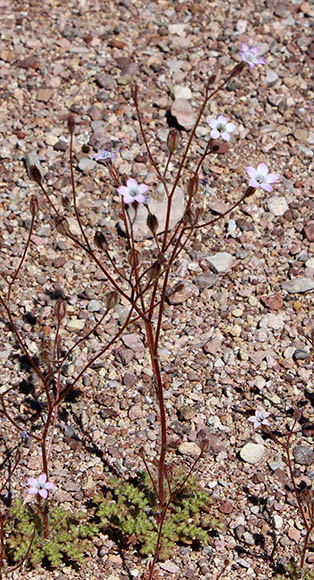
x=221, y=262
x=303, y=455
x=300, y=354
x=189, y=448
x=252, y=452
x=277, y=205
x=86, y=164
x=94, y=306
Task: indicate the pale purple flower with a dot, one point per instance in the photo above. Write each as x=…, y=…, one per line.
x=250, y=55
x=105, y=155
x=133, y=191
x=261, y=177
x=221, y=128
x=260, y=418
x=40, y=485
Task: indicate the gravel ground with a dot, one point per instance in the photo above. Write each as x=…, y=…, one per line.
x=230, y=342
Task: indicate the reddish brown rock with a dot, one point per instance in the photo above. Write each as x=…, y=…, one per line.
x=309, y=231
x=273, y=302
x=182, y=292
x=29, y=62
x=226, y=507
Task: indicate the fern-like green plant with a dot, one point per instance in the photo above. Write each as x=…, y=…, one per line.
x=294, y=572
x=67, y=539
x=128, y=512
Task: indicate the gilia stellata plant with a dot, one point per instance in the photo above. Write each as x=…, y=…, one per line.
x=141, y=282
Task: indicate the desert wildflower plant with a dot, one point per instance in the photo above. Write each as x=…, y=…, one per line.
x=157, y=512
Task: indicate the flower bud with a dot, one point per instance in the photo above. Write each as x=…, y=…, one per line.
x=112, y=299
x=172, y=140
x=62, y=225
x=100, y=241
x=33, y=204
x=152, y=222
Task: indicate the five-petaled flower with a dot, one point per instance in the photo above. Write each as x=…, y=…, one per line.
x=260, y=418
x=105, y=155
x=261, y=177
x=133, y=191
x=221, y=128
x=250, y=55
x=40, y=486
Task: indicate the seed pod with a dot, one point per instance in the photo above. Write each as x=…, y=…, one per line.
x=237, y=69
x=162, y=258
x=66, y=201
x=35, y=174
x=62, y=225
x=172, y=140
x=198, y=214
x=193, y=185
x=297, y=414
x=152, y=222
x=250, y=190
x=31, y=160
x=219, y=147
x=45, y=351
x=154, y=271
x=33, y=204
x=134, y=258
x=71, y=123
x=124, y=178
x=188, y=217
x=100, y=241
x=134, y=91
x=211, y=79
x=112, y=299
x=301, y=331
x=204, y=445
x=168, y=473
x=60, y=309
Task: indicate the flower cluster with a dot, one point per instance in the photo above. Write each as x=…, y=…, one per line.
x=220, y=128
